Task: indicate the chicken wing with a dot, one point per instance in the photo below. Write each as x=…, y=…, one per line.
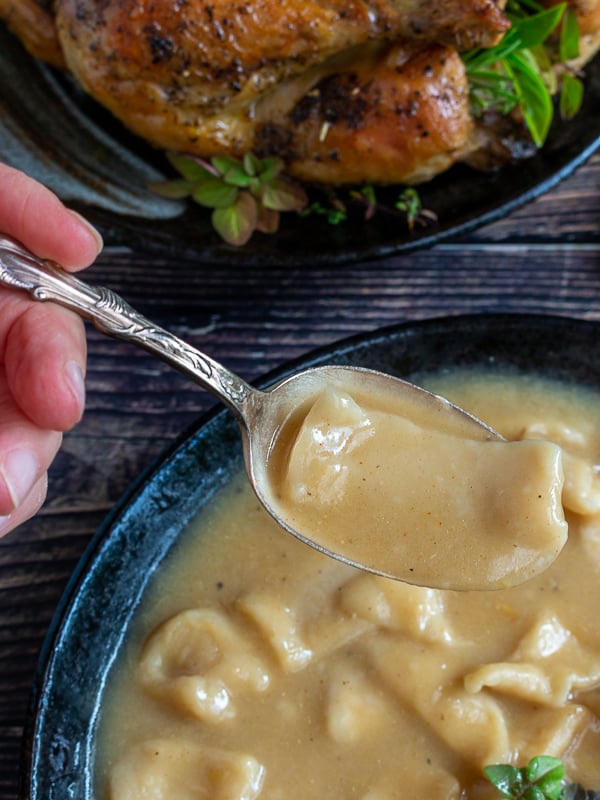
x=33, y=22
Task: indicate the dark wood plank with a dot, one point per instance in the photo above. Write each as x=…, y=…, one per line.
x=569, y=213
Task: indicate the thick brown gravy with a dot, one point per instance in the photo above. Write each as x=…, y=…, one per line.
x=416, y=496
x=261, y=668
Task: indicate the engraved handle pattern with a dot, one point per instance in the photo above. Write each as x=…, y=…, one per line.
x=112, y=315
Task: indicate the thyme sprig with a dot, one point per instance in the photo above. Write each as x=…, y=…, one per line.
x=336, y=208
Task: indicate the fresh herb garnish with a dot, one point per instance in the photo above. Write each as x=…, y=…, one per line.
x=248, y=195
x=519, y=72
x=408, y=204
x=245, y=195
x=569, y=37
x=542, y=779
x=334, y=211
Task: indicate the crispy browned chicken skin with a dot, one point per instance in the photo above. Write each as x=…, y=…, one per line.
x=394, y=114
x=344, y=90
x=274, y=75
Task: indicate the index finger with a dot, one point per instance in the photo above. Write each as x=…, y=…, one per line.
x=37, y=218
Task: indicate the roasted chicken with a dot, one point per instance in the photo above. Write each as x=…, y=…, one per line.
x=33, y=22
x=319, y=82
x=343, y=90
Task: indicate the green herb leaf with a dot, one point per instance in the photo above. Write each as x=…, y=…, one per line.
x=541, y=779
x=214, y=193
x=506, y=778
x=248, y=195
x=236, y=223
x=236, y=175
x=545, y=768
x=531, y=31
x=251, y=164
x=525, y=32
x=368, y=193
x=569, y=37
x=571, y=96
x=270, y=168
x=535, y=101
x=491, y=89
x=223, y=164
x=280, y=194
x=410, y=202
x=190, y=168
x=335, y=213
x=525, y=68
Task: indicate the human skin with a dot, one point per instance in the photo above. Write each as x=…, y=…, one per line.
x=42, y=348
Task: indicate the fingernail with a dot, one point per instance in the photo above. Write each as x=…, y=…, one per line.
x=95, y=233
x=76, y=381
x=20, y=470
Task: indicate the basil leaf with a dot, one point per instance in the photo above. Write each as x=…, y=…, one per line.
x=569, y=37
x=535, y=100
x=531, y=31
x=504, y=777
x=545, y=768
x=571, y=96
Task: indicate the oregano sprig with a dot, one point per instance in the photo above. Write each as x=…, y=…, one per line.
x=543, y=778
x=245, y=195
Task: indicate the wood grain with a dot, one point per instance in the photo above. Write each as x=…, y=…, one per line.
x=544, y=258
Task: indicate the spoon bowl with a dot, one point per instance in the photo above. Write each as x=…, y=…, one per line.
x=263, y=415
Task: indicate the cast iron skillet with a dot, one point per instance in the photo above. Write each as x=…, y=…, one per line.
x=89, y=627
x=54, y=132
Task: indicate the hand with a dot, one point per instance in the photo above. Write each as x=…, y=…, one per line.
x=42, y=348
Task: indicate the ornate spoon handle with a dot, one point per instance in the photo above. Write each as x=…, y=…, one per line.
x=46, y=281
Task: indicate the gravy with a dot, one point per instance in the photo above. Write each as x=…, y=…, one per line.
x=413, y=495
x=259, y=668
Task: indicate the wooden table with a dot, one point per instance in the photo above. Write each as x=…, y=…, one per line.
x=544, y=258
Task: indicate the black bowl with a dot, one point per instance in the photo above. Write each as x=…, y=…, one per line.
x=53, y=131
x=92, y=621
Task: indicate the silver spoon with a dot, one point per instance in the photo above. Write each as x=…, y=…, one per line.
x=260, y=414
